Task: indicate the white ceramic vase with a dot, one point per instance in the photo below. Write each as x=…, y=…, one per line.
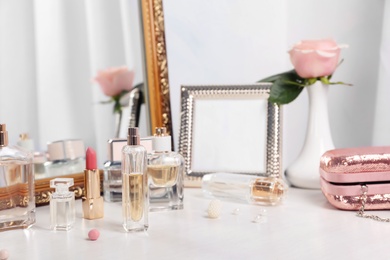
x=118, y=121
x=304, y=171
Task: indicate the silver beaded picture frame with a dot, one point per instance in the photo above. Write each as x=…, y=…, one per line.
x=229, y=128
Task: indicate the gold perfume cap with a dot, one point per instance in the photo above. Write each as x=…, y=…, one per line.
x=133, y=137
x=161, y=140
x=3, y=135
x=160, y=131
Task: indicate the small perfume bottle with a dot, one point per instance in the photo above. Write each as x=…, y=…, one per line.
x=165, y=172
x=62, y=210
x=249, y=188
x=17, y=194
x=135, y=201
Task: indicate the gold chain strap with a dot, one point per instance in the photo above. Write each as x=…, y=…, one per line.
x=361, y=212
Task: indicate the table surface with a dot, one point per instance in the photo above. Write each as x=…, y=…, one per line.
x=305, y=226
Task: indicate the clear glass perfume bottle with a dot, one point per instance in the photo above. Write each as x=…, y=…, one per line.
x=17, y=196
x=249, y=188
x=62, y=210
x=165, y=173
x=135, y=201
x=112, y=183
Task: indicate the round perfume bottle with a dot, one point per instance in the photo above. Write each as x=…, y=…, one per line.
x=166, y=174
x=242, y=187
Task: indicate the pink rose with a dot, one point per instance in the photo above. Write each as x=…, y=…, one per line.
x=114, y=80
x=315, y=58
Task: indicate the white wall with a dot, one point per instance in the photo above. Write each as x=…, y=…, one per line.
x=228, y=42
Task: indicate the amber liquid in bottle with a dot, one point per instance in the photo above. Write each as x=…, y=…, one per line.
x=163, y=175
x=135, y=201
x=242, y=187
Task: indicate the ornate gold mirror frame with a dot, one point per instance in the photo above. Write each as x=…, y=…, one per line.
x=157, y=95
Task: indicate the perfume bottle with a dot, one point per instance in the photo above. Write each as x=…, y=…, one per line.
x=112, y=184
x=165, y=173
x=135, y=201
x=17, y=196
x=249, y=188
x=62, y=210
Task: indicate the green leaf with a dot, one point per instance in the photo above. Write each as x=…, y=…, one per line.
x=286, y=87
x=282, y=93
x=275, y=77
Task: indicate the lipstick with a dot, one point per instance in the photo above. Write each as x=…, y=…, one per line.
x=92, y=202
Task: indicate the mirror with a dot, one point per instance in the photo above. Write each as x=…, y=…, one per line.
x=51, y=51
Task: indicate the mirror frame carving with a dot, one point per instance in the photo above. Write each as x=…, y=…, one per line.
x=43, y=190
x=157, y=93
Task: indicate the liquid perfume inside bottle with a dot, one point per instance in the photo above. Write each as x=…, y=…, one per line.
x=165, y=172
x=242, y=187
x=135, y=201
x=62, y=209
x=17, y=196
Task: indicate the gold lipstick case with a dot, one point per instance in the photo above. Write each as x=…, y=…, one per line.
x=92, y=202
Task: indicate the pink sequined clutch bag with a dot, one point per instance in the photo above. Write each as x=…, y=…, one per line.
x=357, y=178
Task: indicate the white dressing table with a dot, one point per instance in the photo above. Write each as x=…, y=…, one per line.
x=305, y=226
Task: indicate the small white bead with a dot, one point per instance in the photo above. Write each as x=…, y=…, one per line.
x=236, y=211
x=258, y=219
x=214, y=209
x=263, y=212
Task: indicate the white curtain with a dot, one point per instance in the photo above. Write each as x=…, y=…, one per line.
x=49, y=52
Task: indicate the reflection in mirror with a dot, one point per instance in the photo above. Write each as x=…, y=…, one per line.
x=50, y=55
x=50, y=52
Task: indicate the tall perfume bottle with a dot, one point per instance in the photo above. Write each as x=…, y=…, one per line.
x=242, y=187
x=112, y=183
x=135, y=201
x=17, y=196
x=165, y=172
x=62, y=210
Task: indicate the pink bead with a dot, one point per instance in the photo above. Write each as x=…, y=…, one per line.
x=4, y=254
x=93, y=234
